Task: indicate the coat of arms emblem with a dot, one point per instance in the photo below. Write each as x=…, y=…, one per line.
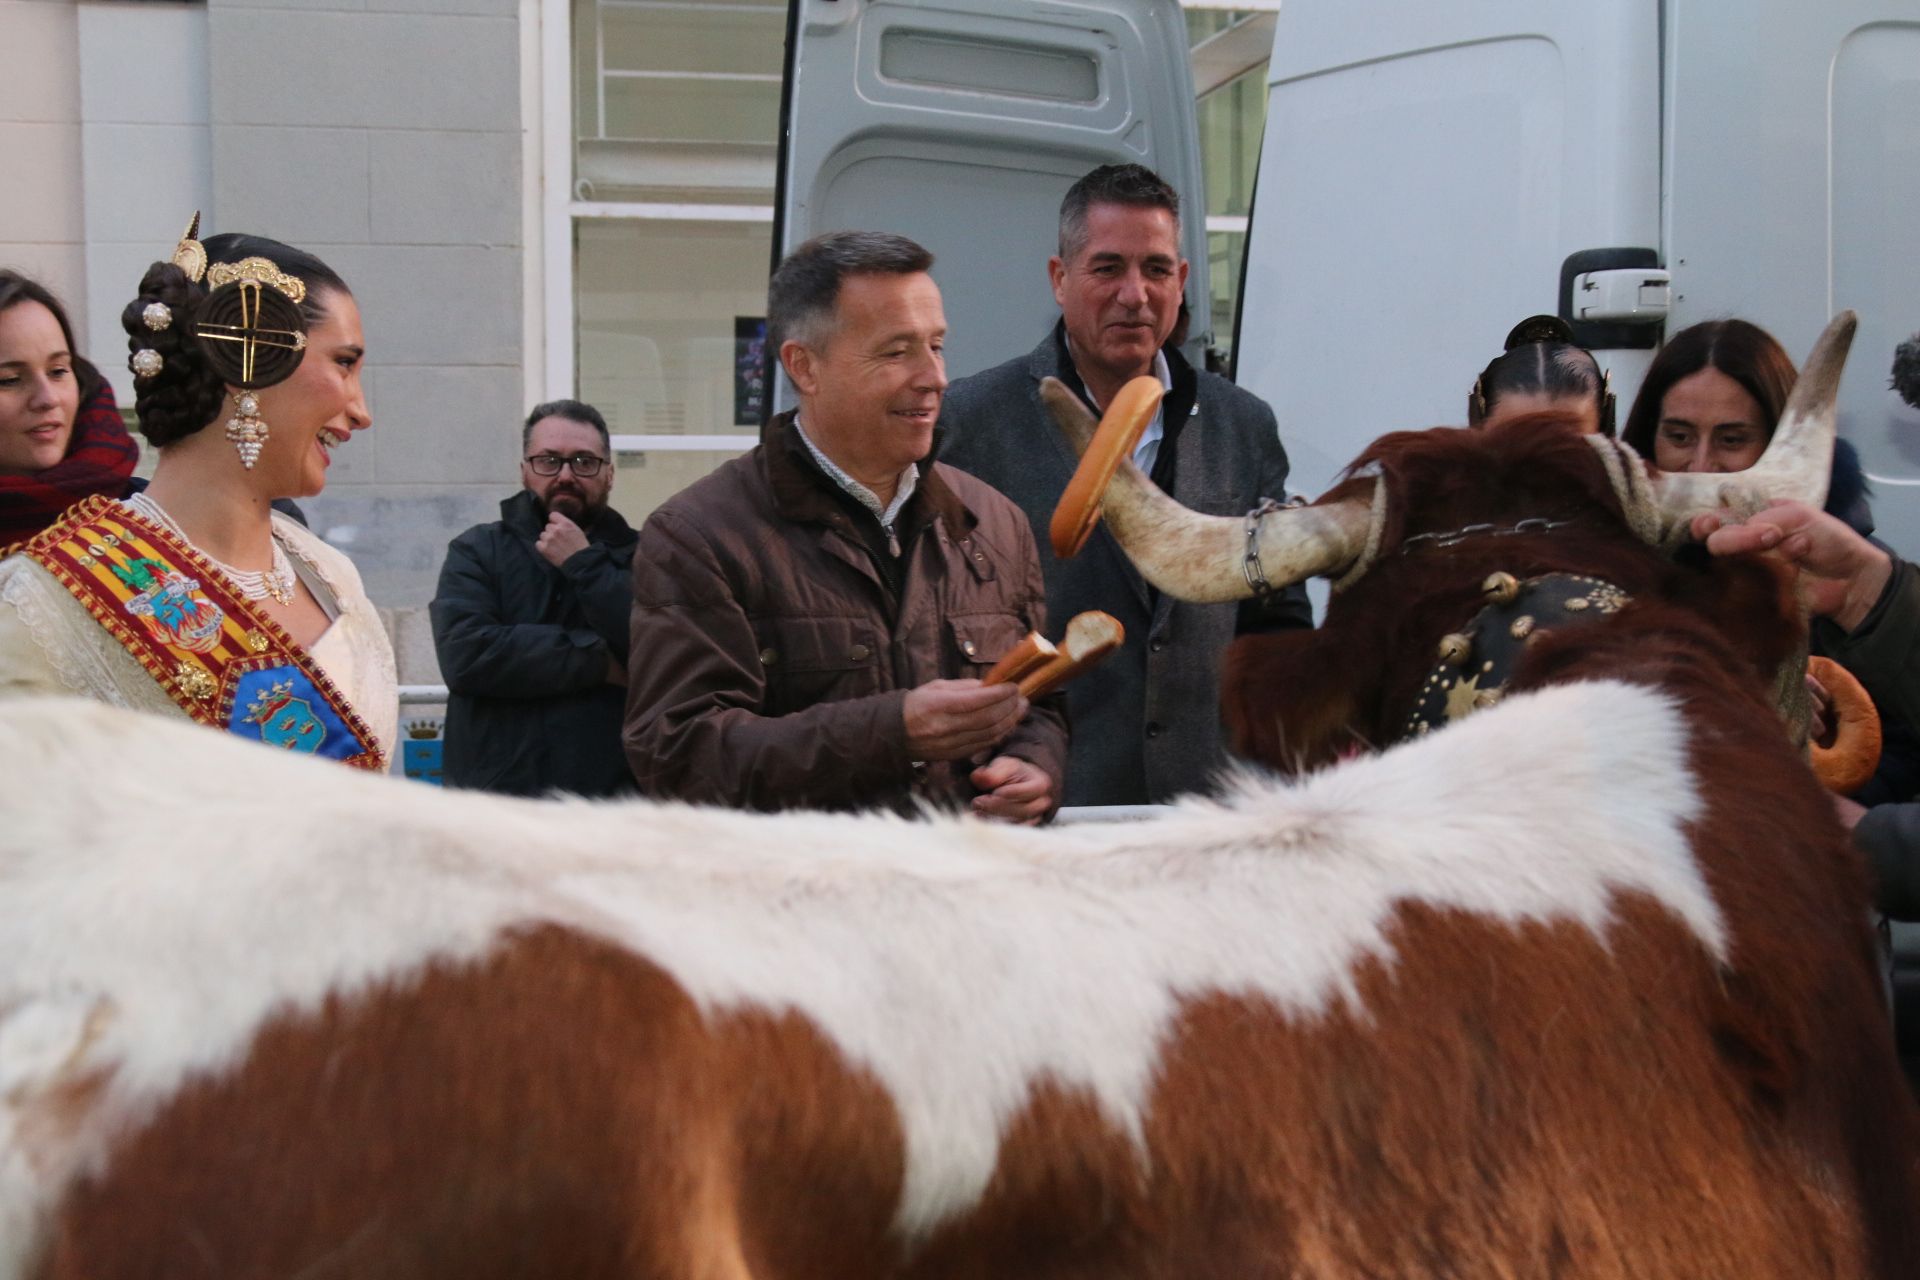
x=169, y=606
x=286, y=720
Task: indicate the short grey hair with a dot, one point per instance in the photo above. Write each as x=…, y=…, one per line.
x=805, y=287
x=1127, y=184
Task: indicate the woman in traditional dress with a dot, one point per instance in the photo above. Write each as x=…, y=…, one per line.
x=61, y=436
x=193, y=597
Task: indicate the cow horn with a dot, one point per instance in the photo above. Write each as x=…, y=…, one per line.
x=1199, y=557
x=1798, y=460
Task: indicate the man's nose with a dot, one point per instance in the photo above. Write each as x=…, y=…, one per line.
x=933, y=373
x=1133, y=290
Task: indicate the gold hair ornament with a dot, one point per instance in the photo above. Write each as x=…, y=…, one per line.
x=252, y=333
x=259, y=271
x=190, y=255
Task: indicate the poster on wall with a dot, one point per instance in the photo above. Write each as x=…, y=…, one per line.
x=749, y=371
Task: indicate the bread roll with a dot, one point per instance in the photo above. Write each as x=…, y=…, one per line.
x=1089, y=639
x=1078, y=510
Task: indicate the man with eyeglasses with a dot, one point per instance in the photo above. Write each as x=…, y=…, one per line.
x=530, y=622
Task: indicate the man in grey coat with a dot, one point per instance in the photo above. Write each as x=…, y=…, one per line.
x=1146, y=724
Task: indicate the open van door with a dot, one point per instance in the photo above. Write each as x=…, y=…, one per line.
x=1427, y=173
x=1793, y=190
x=962, y=124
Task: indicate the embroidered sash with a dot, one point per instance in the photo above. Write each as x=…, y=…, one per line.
x=217, y=657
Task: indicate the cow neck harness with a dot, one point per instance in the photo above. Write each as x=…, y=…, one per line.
x=1476, y=662
x=1453, y=537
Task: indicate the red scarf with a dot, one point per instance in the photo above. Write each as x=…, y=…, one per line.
x=99, y=459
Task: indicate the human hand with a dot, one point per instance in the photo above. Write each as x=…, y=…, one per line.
x=1848, y=811
x=560, y=540
x=955, y=719
x=1842, y=574
x=1820, y=721
x=1012, y=790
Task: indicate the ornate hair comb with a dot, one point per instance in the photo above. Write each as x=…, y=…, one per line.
x=190, y=255
x=260, y=271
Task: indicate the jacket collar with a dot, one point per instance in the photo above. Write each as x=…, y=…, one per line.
x=804, y=494
x=522, y=514
x=1050, y=359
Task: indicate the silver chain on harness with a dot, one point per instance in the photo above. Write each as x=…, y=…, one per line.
x=1250, y=566
x=1532, y=524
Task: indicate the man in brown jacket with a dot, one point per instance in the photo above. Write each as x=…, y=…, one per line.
x=810, y=621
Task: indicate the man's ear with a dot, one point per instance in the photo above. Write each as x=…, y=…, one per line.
x=1057, y=276
x=799, y=362
x=1183, y=275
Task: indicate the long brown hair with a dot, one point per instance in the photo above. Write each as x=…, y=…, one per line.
x=16, y=289
x=1743, y=351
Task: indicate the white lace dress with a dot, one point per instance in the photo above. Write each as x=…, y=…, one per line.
x=50, y=644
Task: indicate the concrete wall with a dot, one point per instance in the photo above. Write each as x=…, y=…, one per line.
x=385, y=136
x=41, y=221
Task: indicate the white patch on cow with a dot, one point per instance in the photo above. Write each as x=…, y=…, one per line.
x=201, y=885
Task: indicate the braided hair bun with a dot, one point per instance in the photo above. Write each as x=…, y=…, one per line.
x=186, y=393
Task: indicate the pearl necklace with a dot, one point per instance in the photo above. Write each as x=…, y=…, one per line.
x=254, y=584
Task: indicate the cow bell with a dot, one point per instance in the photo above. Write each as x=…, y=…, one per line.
x=1454, y=648
x=1500, y=588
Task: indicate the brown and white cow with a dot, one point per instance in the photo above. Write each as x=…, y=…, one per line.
x=1580, y=987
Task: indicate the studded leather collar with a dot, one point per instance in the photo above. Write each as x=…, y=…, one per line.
x=1476, y=662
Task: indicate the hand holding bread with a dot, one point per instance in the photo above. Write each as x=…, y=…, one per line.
x=1039, y=667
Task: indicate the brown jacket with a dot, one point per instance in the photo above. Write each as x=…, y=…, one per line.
x=770, y=657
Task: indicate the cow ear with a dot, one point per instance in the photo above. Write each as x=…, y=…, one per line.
x=1277, y=718
x=1754, y=602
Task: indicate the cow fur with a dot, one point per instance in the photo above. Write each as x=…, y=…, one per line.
x=1740, y=617
x=1472, y=1007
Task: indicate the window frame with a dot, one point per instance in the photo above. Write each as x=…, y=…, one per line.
x=560, y=214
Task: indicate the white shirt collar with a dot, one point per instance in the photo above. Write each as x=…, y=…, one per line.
x=1147, y=452
x=885, y=512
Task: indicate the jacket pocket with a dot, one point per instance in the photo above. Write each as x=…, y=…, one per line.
x=812, y=660
x=975, y=641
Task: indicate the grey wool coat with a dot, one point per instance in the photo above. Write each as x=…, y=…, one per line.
x=1146, y=724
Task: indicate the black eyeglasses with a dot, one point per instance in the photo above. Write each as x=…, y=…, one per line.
x=585, y=465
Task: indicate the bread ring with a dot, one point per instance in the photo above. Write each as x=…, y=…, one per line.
x=1845, y=766
x=1121, y=426
x=1032, y=653
x=1090, y=637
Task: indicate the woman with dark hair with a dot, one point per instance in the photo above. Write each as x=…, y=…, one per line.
x=1541, y=369
x=61, y=436
x=1710, y=401
x=1711, y=398
x=193, y=596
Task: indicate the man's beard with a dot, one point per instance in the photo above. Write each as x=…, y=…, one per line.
x=571, y=503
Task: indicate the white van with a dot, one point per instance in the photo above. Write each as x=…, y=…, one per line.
x=1431, y=173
